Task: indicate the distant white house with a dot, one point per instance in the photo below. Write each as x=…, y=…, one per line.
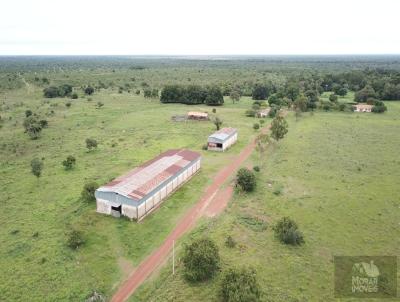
x=362, y=108
x=222, y=139
x=263, y=112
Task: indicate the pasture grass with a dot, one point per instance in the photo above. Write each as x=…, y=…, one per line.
x=337, y=174
x=35, y=262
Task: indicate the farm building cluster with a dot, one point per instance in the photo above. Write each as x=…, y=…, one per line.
x=141, y=190
x=222, y=139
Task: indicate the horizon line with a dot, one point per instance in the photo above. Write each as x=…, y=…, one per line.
x=198, y=55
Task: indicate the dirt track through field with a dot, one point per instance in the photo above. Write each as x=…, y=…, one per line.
x=212, y=202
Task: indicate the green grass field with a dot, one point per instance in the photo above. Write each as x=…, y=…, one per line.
x=35, y=262
x=337, y=175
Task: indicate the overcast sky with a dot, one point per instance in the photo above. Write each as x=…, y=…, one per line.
x=71, y=27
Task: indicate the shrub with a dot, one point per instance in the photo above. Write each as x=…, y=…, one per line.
x=256, y=126
x=214, y=110
x=201, y=260
x=43, y=123
x=95, y=297
x=68, y=104
x=32, y=127
x=36, y=167
x=379, y=107
x=272, y=112
x=88, y=191
x=91, y=143
x=74, y=96
x=333, y=98
x=256, y=168
x=230, y=242
x=240, y=285
x=342, y=107
x=250, y=113
x=286, y=230
x=326, y=106
x=147, y=93
x=89, y=90
x=50, y=92
x=217, y=122
x=28, y=113
x=69, y=162
x=75, y=239
x=246, y=179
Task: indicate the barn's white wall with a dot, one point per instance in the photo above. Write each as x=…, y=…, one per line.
x=133, y=212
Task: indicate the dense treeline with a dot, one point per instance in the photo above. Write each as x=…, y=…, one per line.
x=192, y=94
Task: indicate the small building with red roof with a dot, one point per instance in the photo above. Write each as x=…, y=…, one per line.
x=143, y=189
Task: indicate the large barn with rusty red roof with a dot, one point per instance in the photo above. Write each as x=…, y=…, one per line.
x=141, y=190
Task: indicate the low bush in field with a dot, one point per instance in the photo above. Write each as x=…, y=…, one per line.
x=287, y=231
x=75, y=239
x=240, y=285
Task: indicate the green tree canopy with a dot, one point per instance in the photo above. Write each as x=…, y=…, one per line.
x=36, y=167
x=240, y=285
x=246, y=179
x=279, y=128
x=201, y=260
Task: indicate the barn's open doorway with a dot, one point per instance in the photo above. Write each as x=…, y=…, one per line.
x=116, y=211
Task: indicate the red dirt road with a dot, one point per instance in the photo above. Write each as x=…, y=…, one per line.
x=211, y=203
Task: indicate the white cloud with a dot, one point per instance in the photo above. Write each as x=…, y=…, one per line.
x=199, y=27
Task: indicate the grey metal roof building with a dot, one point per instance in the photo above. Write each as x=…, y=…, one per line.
x=141, y=190
x=222, y=139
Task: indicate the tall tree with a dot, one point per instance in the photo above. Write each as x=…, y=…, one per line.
x=279, y=128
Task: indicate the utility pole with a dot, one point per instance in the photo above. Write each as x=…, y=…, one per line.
x=173, y=257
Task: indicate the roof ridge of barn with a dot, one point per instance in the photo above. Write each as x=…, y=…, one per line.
x=141, y=180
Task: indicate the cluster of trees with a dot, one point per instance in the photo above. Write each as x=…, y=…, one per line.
x=65, y=90
x=69, y=163
x=150, y=93
x=60, y=91
x=261, y=92
x=33, y=125
x=384, y=82
x=202, y=261
x=193, y=94
x=369, y=95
